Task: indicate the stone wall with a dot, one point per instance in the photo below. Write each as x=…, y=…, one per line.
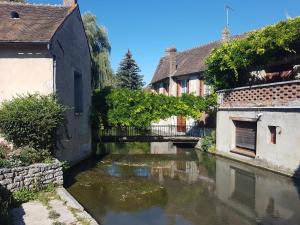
x=275, y=94
x=14, y=179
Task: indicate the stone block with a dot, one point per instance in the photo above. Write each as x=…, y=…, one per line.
x=5, y=182
x=12, y=186
x=9, y=175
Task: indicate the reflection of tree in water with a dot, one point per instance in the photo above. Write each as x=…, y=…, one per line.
x=103, y=192
x=126, y=148
x=208, y=161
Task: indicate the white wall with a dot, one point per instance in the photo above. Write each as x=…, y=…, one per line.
x=284, y=154
x=25, y=75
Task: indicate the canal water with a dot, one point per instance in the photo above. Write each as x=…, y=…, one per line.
x=165, y=184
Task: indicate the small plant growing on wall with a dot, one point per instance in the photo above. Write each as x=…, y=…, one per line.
x=32, y=120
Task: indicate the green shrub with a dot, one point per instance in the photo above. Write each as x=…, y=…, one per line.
x=4, y=150
x=23, y=195
x=30, y=156
x=32, y=120
x=4, y=163
x=140, y=109
x=208, y=142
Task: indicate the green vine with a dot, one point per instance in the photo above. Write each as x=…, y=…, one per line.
x=229, y=65
x=138, y=108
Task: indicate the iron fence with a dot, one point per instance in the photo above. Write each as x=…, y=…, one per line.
x=156, y=131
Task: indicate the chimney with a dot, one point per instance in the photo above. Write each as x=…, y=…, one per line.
x=171, y=53
x=70, y=3
x=225, y=34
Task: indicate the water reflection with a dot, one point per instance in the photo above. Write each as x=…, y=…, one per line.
x=174, y=185
x=257, y=195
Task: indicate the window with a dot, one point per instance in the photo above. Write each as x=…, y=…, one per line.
x=273, y=137
x=246, y=135
x=161, y=86
x=78, y=93
x=183, y=87
x=166, y=88
x=14, y=15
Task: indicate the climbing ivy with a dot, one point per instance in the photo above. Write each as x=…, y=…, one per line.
x=138, y=108
x=229, y=65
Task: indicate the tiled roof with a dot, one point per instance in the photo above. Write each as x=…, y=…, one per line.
x=188, y=62
x=37, y=23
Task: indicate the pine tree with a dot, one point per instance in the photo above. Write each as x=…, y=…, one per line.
x=128, y=74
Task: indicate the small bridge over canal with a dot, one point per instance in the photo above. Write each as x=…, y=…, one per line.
x=155, y=133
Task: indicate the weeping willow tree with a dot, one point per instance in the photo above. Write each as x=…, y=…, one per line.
x=102, y=74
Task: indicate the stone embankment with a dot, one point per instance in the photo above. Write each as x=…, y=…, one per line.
x=41, y=174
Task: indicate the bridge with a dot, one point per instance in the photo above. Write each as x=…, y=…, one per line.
x=155, y=133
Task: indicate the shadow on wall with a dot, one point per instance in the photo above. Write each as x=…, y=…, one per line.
x=296, y=179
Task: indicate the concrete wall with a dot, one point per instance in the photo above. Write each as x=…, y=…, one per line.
x=71, y=51
x=285, y=154
x=25, y=69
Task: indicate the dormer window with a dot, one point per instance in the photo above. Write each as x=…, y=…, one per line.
x=14, y=15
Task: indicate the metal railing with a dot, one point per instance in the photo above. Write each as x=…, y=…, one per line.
x=156, y=131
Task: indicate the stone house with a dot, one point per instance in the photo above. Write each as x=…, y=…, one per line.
x=182, y=73
x=259, y=125
x=44, y=49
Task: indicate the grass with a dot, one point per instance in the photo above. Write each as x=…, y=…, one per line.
x=58, y=223
x=80, y=219
x=53, y=215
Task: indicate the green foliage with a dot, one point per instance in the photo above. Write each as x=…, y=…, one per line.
x=140, y=109
x=229, y=65
x=208, y=143
x=30, y=156
x=128, y=75
x=102, y=74
x=100, y=108
x=4, y=150
x=27, y=157
x=32, y=120
x=23, y=195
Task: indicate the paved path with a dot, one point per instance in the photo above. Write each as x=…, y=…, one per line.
x=69, y=212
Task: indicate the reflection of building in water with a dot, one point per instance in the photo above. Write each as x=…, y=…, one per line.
x=186, y=171
x=257, y=196
x=163, y=148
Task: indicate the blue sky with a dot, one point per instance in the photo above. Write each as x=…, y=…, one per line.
x=147, y=27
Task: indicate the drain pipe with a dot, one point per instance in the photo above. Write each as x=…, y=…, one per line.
x=53, y=68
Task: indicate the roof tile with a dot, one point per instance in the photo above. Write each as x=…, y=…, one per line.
x=37, y=23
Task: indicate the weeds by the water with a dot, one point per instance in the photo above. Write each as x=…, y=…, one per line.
x=53, y=215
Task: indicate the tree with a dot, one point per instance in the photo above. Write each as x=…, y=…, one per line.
x=128, y=75
x=102, y=74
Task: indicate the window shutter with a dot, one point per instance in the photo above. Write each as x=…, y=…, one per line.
x=78, y=93
x=246, y=135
